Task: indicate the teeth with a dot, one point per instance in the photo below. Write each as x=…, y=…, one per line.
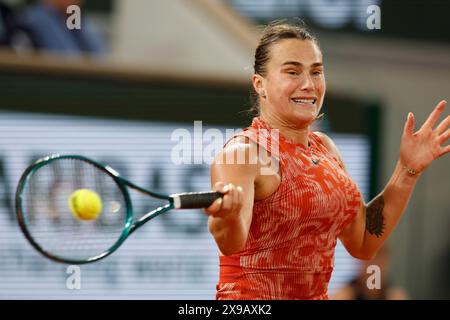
x=305, y=101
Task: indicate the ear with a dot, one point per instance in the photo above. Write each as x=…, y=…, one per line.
x=258, y=85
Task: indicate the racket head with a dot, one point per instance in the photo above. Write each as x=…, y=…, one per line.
x=52, y=229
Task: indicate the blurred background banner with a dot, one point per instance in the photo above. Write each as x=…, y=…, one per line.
x=136, y=71
x=173, y=257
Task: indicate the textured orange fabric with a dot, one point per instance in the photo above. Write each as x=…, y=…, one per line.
x=289, y=253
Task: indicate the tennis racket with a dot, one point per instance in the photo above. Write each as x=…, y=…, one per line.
x=46, y=220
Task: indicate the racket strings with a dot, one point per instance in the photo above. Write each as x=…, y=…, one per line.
x=51, y=223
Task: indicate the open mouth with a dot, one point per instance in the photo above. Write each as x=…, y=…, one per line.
x=310, y=101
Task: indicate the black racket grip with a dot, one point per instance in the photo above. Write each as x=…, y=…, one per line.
x=193, y=200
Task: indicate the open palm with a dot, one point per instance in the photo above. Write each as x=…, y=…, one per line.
x=419, y=149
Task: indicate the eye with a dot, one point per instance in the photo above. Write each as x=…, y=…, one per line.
x=317, y=72
x=293, y=73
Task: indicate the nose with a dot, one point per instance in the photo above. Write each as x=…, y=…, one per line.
x=307, y=84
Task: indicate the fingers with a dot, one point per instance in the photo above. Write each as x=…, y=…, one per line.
x=444, y=137
x=237, y=199
x=228, y=198
x=219, y=186
x=435, y=114
x=214, y=207
x=443, y=125
x=409, y=124
x=240, y=196
x=445, y=150
x=230, y=203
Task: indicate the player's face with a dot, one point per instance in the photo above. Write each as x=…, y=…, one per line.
x=294, y=85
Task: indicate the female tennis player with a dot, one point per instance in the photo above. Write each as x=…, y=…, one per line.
x=277, y=229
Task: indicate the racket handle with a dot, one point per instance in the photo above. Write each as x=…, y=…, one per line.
x=193, y=200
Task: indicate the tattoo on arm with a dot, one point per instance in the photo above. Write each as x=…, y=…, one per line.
x=374, y=216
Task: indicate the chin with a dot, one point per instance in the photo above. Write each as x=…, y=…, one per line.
x=304, y=119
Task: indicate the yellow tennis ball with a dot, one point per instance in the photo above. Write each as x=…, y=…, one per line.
x=85, y=204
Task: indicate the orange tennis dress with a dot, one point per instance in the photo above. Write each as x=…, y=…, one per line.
x=289, y=253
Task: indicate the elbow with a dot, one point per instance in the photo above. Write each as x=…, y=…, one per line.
x=360, y=250
x=363, y=255
x=228, y=251
x=231, y=246
x=229, y=240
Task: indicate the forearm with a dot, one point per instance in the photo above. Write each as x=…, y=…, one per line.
x=230, y=233
x=385, y=210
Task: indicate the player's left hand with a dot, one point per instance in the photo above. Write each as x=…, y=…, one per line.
x=419, y=149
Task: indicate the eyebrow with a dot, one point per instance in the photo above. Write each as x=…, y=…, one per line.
x=299, y=64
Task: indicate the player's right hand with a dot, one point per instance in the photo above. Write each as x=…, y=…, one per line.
x=229, y=205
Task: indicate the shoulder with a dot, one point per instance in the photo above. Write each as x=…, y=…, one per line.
x=330, y=145
x=244, y=156
x=240, y=144
x=239, y=154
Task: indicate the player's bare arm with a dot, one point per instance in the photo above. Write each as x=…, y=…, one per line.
x=230, y=217
x=377, y=219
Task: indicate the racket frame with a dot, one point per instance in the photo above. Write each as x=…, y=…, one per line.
x=122, y=183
